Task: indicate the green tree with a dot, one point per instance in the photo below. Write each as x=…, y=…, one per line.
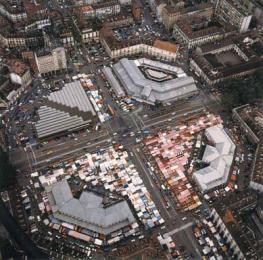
x=241, y=91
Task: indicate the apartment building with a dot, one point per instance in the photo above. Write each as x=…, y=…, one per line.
x=51, y=62
x=38, y=24
x=85, y=31
x=196, y=31
x=120, y=20
x=100, y=9
x=228, y=216
x=115, y=49
x=232, y=57
x=67, y=38
x=15, y=13
x=233, y=12
x=23, y=40
x=249, y=119
x=170, y=14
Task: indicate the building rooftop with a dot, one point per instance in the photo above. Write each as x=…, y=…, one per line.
x=172, y=10
x=195, y=27
x=68, y=109
x=13, y=8
x=219, y=156
x=164, y=45
x=253, y=119
x=112, y=168
x=231, y=56
x=172, y=151
x=88, y=211
x=233, y=210
x=124, y=37
x=141, y=87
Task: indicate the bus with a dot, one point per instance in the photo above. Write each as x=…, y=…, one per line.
x=111, y=110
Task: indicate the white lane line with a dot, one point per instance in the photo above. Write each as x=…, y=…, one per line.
x=187, y=225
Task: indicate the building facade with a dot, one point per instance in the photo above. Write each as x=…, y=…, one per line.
x=13, y=13
x=54, y=61
x=189, y=35
x=234, y=13
x=159, y=49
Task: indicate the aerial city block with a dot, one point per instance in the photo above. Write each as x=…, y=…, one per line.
x=131, y=129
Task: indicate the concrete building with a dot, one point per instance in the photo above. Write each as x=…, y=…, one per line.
x=250, y=122
x=53, y=61
x=64, y=111
x=150, y=81
x=231, y=57
x=254, y=7
x=196, y=31
x=22, y=40
x=121, y=48
x=233, y=12
x=228, y=216
x=101, y=9
x=219, y=156
x=89, y=211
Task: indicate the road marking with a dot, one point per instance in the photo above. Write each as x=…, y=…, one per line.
x=189, y=224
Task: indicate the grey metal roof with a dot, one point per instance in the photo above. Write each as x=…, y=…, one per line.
x=113, y=82
x=72, y=95
x=137, y=85
x=52, y=121
x=220, y=158
x=68, y=109
x=88, y=210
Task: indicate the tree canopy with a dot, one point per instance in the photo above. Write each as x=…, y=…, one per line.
x=7, y=171
x=241, y=91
